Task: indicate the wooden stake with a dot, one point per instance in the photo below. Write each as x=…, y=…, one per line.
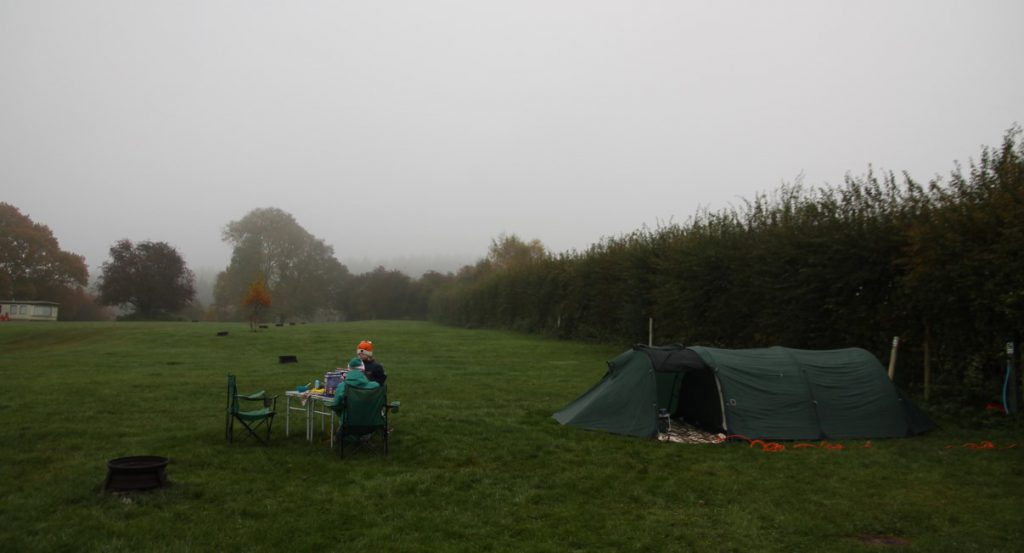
x=892, y=356
x=927, y=360
x=650, y=331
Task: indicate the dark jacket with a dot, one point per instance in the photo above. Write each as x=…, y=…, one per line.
x=375, y=371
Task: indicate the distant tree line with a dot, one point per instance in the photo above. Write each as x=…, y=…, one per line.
x=939, y=265
x=298, y=277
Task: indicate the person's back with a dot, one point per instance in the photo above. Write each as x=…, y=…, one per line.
x=375, y=371
x=354, y=378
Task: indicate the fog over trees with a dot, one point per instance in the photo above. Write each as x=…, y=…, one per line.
x=34, y=267
x=878, y=256
x=299, y=270
x=937, y=264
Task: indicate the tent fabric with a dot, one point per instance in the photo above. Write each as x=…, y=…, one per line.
x=766, y=393
x=623, y=401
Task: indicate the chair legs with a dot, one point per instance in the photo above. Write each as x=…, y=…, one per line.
x=366, y=436
x=251, y=429
x=361, y=440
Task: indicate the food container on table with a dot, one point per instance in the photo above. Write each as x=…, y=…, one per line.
x=331, y=381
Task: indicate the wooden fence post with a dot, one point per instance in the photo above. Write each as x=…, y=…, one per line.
x=927, y=360
x=1010, y=382
x=892, y=356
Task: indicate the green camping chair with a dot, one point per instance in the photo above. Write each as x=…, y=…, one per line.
x=363, y=415
x=250, y=420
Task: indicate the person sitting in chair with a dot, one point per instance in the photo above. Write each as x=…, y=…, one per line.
x=374, y=370
x=356, y=378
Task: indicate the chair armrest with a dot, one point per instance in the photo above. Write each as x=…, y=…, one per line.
x=393, y=406
x=255, y=396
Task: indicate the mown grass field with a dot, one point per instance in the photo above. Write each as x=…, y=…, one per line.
x=476, y=464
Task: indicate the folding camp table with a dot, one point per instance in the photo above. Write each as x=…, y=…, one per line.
x=314, y=405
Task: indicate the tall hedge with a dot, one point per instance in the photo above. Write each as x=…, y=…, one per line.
x=850, y=265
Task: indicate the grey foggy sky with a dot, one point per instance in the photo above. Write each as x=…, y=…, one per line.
x=407, y=128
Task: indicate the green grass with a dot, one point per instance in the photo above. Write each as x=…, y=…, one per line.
x=476, y=463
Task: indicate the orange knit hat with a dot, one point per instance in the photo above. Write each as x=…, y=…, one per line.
x=366, y=347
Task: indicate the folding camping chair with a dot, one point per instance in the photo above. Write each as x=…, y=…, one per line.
x=363, y=415
x=250, y=420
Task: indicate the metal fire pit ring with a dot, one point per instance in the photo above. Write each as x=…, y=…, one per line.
x=140, y=472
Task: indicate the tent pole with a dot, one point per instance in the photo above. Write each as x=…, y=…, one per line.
x=1009, y=383
x=927, y=360
x=892, y=356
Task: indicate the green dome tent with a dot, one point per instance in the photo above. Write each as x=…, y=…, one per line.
x=770, y=393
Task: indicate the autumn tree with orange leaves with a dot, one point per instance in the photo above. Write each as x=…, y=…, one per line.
x=256, y=300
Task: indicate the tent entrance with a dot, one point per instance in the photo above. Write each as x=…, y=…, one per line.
x=699, y=400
